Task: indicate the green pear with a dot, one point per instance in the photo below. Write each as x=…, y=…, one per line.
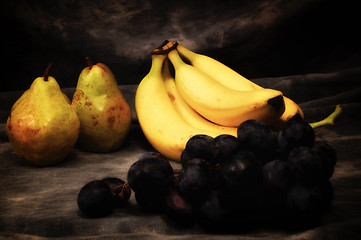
x=104, y=114
x=42, y=126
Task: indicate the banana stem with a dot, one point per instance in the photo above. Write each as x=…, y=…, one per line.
x=330, y=120
x=166, y=47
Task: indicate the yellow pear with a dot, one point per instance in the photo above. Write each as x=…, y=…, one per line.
x=42, y=127
x=104, y=114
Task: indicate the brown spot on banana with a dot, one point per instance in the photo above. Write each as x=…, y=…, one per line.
x=171, y=97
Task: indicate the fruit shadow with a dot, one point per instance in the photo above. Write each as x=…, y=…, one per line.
x=137, y=138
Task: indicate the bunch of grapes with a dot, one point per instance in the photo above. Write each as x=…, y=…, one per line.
x=258, y=176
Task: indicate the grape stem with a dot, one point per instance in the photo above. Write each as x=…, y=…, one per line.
x=330, y=120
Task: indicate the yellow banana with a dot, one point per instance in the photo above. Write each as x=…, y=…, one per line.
x=188, y=114
x=220, y=104
x=163, y=127
x=218, y=71
x=231, y=79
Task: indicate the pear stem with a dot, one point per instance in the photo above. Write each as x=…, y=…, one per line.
x=89, y=62
x=330, y=120
x=46, y=73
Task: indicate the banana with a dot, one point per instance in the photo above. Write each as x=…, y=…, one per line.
x=163, y=127
x=220, y=104
x=231, y=79
x=218, y=71
x=188, y=114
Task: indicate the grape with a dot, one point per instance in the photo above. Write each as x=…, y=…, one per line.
x=152, y=174
x=305, y=165
x=328, y=157
x=243, y=172
x=120, y=190
x=295, y=134
x=194, y=180
x=198, y=146
x=178, y=209
x=224, y=146
x=276, y=176
x=304, y=204
x=95, y=199
x=257, y=137
x=211, y=214
x=276, y=181
x=243, y=183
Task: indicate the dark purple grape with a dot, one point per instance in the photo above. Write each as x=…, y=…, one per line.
x=328, y=157
x=198, y=146
x=304, y=204
x=95, y=199
x=150, y=202
x=305, y=165
x=211, y=213
x=276, y=181
x=257, y=137
x=152, y=174
x=276, y=176
x=295, y=134
x=194, y=182
x=120, y=190
x=224, y=146
x=243, y=172
x=243, y=185
x=178, y=209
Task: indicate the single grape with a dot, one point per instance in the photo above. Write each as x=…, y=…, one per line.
x=328, y=157
x=211, y=214
x=120, y=190
x=198, y=146
x=243, y=172
x=276, y=181
x=194, y=182
x=95, y=199
x=152, y=174
x=305, y=165
x=178, y=209
x=224, y=146
x=296, y=133
x=241, y=194
x=257, y=137
x=276, y=176
x=304, y=205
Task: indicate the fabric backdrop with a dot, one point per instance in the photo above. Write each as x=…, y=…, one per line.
x=285, y=45
x=258, y=38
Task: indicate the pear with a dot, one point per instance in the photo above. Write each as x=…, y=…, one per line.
x=42, y=126
x=104, y=113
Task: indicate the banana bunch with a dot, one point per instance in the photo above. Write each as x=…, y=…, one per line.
x=233, y=80
x=204, y=97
